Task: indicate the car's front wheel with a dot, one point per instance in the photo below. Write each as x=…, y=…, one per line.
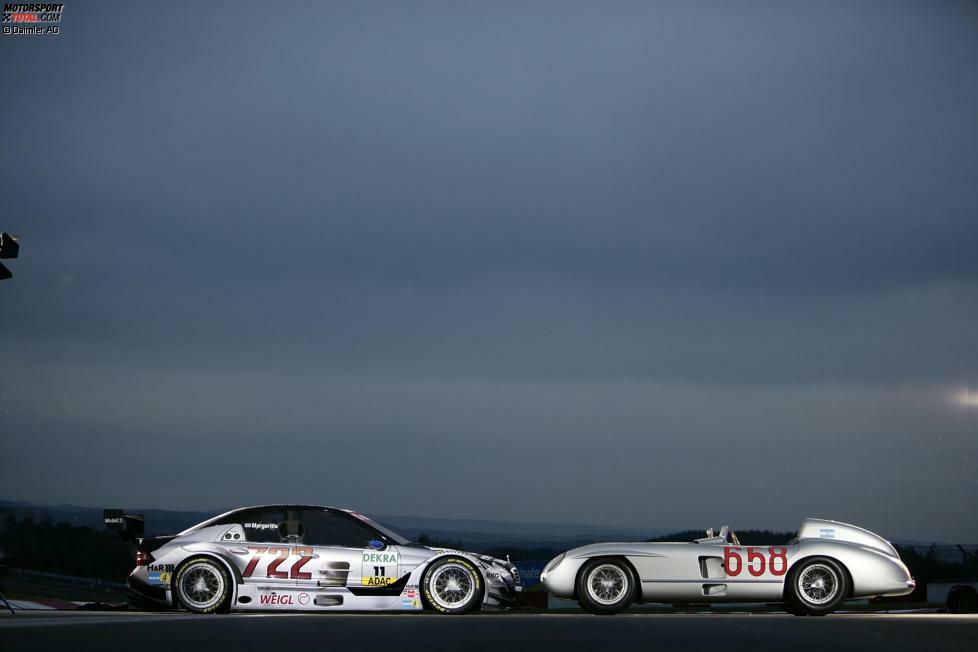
x=606, y=586
x=452, y=585
x=816, y=587
x=202, y=586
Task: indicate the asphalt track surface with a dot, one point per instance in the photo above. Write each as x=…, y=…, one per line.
x=73, y=631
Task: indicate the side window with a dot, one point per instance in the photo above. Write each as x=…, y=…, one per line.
x=324, y=528
x=262, y=525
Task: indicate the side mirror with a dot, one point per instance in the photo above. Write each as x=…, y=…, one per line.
x=9, y=247
x=376, y=544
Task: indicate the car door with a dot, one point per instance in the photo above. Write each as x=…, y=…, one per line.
x=346, y=552
x=259, y=543
x=755, y=573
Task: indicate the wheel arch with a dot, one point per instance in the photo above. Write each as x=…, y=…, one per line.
x=236, y=579
x=621, y=558
x=795, y=565
x=428, y=563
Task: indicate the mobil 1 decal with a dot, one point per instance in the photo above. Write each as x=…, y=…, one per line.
x=379, y=567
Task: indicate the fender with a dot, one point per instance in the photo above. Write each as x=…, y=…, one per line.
x=235, y=575
x=443, y=553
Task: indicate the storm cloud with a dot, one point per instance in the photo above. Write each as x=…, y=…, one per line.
x=660, y=263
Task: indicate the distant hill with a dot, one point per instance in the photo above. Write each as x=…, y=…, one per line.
x=158, y=521
x=477, y=534
x=746, y=537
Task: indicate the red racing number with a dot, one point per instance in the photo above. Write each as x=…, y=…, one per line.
x=253, y=562
x=757, y=565
x=296, y=573
x=305, y=554
x=776, y=554
x=283, y=554
x=752, y=556
x=731, y=554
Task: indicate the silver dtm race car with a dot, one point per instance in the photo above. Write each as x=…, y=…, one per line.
x=308, y=558
x=827, y=563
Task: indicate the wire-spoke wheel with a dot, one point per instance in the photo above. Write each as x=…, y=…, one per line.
x=202, y=586
x=453, y=586
x=607, y=583
x=817, y=586
x=606, y=586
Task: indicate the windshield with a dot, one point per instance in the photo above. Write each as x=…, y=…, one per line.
x=383, y=529
x=237, y=515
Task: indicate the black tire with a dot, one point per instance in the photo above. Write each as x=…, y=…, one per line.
x=962, y=599
x=606, y=586
x=202, y=585
x=816, y=587
x=453, y=586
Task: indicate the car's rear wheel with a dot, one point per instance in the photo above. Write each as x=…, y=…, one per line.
x=817, y=587
x=202, y=586
x=452, y=585
x=606, y=586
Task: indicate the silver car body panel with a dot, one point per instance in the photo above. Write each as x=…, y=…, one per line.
x=298, y=577
x=716, y=570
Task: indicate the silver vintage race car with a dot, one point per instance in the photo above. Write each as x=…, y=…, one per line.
x=827, y=563
x=307, y=558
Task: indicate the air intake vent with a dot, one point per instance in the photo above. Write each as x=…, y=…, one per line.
x=328, y=600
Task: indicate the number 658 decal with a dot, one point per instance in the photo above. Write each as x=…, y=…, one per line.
x=756, y=563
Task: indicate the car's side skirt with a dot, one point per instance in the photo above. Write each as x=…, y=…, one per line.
x=711, y=590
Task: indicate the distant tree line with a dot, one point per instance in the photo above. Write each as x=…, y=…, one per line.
x=65, y=549
x=89, y=552
x=941, y=563
x=746, y=537
x=426, y=539
x=517, y=553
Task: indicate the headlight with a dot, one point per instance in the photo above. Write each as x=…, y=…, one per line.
x=554, y=562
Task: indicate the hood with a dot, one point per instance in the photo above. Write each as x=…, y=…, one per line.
x=632, y=549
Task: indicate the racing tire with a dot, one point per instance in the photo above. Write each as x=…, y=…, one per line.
x=816, y=587
x=202, y=586
x=962, y=599
x=453, y=586
x=606, y=586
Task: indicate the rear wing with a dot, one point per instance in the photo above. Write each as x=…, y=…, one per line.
x=130, y=526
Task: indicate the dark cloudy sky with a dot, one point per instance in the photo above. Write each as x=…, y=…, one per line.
x=673, y=264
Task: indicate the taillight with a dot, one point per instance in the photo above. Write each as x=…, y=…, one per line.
x=143, y=558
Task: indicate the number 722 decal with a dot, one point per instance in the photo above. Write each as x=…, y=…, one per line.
x=757, y=564
x=296, y=572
